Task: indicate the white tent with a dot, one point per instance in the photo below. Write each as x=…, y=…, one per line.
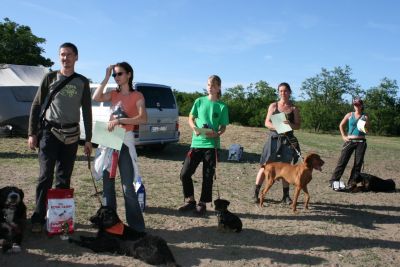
x=21, y=75
x=18, y=86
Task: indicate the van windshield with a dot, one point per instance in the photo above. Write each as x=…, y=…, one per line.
x=157, y=97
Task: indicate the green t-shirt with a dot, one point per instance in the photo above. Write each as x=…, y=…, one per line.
x=212, y=113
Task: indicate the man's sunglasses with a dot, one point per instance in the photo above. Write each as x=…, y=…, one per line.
x=117, y=74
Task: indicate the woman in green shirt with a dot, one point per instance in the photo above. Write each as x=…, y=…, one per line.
x=207, y=112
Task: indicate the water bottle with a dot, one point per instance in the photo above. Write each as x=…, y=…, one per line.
x=141, y=193
x=114, y=164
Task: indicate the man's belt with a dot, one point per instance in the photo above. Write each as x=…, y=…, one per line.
x=63, y=125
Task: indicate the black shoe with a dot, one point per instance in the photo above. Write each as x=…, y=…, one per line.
x=286, y=200
x=188, y=206
x=37, y=228
x=200, y=209
x=256, y=198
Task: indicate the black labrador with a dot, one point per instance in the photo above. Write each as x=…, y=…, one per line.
x=115, y=237
x=373, y=183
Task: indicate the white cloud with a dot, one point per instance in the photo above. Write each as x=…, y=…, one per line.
x=384, y=26
x=53, y=12
x=267, y=57
x=386, y=58
x=308, y=21
x=240, y=40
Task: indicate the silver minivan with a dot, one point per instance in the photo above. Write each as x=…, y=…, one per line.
x=162, y=125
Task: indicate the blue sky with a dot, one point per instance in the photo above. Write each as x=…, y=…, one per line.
x=181, y=42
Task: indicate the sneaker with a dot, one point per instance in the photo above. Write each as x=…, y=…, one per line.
x=200, y=209
x=190, y=205
x=37, y=228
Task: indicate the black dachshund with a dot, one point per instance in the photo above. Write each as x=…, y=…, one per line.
x=115, y=237
x=227, y=221
x=12, y=218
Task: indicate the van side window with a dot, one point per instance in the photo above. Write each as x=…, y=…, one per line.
x=157, y=97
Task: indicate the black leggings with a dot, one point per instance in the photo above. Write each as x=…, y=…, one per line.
x=359, y=146
x=192, y=160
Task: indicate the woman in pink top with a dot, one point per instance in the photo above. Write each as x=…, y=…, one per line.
x=128, y=110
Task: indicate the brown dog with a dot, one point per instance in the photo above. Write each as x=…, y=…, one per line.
x=299, y=175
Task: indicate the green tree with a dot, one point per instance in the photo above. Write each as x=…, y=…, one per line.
x=247, y=106
x=18, y=45
x=383, y=108
x=235, y=98
x=325, y=105
x=260, y=96
x=185, y=101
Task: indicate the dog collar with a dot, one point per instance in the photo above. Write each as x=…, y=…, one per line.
x=116, y=229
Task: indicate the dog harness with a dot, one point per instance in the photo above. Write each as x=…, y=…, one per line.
x=116, y=229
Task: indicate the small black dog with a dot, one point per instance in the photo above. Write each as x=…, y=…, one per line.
x=115, y=237
x=12, y=218
x=373, y=183
x=227, y=221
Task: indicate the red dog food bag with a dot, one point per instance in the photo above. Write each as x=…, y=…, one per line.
x=60, y=211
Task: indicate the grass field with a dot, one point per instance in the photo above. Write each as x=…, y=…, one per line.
x=340, y=229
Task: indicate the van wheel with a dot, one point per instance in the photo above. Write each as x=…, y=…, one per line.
x=157, y=147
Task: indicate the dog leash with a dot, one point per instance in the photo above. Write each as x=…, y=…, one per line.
x=97, y=193
x=215, y=168
x=294, y=147
x=215, y=172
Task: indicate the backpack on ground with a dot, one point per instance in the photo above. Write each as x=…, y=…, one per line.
x=235, y=152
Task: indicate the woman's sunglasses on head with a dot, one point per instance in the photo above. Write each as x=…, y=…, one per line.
x=117, y=74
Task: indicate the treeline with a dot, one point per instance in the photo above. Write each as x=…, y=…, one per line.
x=324, y=100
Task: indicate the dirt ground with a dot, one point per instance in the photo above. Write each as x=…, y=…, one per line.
x=339, y=229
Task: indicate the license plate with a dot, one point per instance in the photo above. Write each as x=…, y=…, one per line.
x=155, y=129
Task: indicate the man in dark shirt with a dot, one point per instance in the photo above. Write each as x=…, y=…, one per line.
x=62, y=113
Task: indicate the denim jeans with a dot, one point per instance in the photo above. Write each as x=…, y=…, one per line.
x=52, y=154
x=133, y=213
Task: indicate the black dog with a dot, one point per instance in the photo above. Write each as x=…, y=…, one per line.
x=12, y=218
x=115, y=237
x=373, y=183
x=227, y=221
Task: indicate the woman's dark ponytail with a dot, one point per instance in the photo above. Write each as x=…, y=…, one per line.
x=128, y=68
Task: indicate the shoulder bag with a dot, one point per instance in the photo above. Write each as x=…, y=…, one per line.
x=47, y=105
